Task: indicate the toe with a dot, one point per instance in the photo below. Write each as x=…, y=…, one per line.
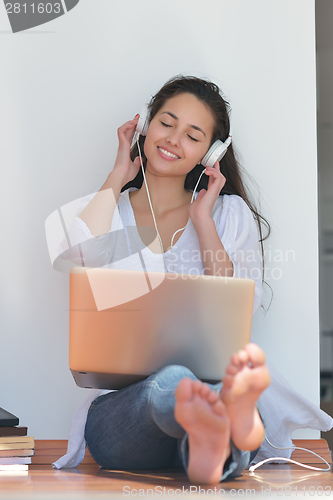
x=234, y=361
x=227, y=382
x=243, y=356
x=184, y=391
x=204, y=391
x=213, y=397
x=256, y=355
x=196, y=385
x=239, y=359
x=219, y=408
x=231, y=370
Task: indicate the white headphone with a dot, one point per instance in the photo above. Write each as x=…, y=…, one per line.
x=215, y=152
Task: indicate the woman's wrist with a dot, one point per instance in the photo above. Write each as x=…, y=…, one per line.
x=114, y=181
x=204, y=225
x=214, y=256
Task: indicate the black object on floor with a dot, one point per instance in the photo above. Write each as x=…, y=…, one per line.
x=7, y=419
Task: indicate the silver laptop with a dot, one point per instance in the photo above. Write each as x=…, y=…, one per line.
x=126, y=325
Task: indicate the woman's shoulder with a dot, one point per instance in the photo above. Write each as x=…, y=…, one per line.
x=124, y=195
x=233, y=217
x=232, y=204
x=125, y=207
x=124, y=199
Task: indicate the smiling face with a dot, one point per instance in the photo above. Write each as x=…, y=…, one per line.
x=178, y=136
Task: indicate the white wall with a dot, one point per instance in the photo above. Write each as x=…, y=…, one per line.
x=65, y=88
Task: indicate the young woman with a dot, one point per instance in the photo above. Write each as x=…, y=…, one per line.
x=172, y=419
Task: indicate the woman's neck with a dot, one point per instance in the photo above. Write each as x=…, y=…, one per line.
x=166, y=193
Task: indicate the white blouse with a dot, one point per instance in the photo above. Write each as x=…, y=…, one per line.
x=118, y=248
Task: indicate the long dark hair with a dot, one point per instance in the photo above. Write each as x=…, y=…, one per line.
x=210, y=94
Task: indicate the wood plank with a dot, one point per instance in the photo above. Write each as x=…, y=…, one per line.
x=48, y=451
x=319, y=446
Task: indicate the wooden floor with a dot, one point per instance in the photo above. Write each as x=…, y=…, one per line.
x=90, y=482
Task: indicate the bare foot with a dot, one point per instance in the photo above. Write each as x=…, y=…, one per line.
x=201, y=413
x=246, y=378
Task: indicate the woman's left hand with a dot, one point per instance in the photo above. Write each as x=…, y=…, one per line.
x=201, y=208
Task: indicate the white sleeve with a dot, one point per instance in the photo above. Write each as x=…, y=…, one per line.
x=240, y=238
x=77, y=245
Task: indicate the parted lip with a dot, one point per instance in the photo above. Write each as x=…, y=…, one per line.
x=168, y=150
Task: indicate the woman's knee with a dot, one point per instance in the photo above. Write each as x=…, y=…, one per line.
x=171, y=375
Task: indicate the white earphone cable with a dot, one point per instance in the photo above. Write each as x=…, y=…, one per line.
x=152, y=211
x=151, y=206
x=182, y=228
x=254, y=467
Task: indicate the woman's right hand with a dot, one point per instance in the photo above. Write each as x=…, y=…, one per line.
x=124, y=167
x=97, y=215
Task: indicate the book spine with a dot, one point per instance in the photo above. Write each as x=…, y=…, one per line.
x=6, y=443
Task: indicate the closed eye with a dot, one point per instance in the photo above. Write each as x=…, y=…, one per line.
x=190, y=137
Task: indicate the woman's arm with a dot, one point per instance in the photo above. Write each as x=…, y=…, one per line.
x=90, y=224
x=98, y=214
x=215, y=259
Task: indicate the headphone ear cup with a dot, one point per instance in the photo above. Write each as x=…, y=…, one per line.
x=143, y=123
x=214, y=154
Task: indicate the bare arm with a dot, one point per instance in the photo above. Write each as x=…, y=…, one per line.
x=215, y=259
x=98, y=214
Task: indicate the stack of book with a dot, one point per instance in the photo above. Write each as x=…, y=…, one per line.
x=16, y=448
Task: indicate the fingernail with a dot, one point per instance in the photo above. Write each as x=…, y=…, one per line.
x=136, y=116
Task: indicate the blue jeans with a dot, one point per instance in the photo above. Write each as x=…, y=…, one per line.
x=135, y=427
